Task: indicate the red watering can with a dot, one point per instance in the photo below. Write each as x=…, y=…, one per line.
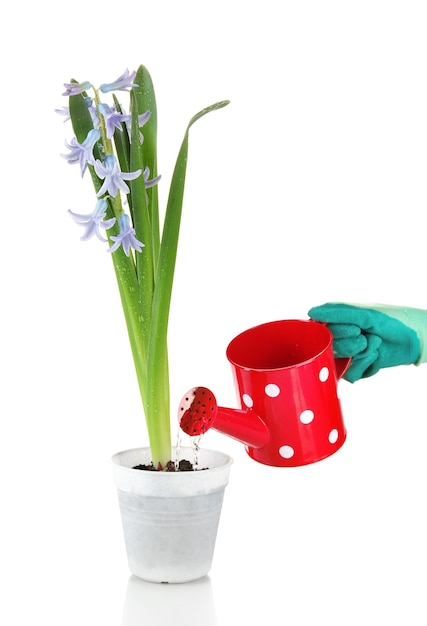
x=286, y=379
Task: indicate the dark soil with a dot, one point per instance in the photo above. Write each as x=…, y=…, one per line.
x=183, y=466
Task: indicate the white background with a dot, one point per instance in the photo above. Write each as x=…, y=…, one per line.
x=309, y=187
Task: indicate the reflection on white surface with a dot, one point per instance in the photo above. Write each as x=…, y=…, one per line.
x=186, y=604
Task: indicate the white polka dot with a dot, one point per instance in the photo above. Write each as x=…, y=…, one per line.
x=287, y=452
x=324, y=374
x=247, y=400
x=306, y=417
x=333, y=436
x=272, y=390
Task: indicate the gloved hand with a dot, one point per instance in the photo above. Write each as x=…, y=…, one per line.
x=374, y=336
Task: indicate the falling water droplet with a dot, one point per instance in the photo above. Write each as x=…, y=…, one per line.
x=195, y=442
x=178, y=449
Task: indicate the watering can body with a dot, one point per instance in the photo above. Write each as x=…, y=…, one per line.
x=286, y=380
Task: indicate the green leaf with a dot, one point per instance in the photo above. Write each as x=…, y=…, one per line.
x=157, y=398
x=145, y=100
x=209, y=109
x=141, y=223
x=80, y=115
x=81, y=121
x=170, y=237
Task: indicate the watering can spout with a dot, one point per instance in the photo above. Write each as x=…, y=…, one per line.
x=244, y=425
x=198, y=412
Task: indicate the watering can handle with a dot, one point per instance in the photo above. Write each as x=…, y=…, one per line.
x=341, y=365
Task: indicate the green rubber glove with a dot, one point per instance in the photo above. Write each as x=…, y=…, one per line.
x=374, y=336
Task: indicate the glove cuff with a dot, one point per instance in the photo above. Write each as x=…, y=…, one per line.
x=413, y=318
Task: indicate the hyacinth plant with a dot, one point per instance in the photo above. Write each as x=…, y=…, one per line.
x=118, y=148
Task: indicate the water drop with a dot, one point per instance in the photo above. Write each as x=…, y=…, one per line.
x=195, y=442
x=178, y=449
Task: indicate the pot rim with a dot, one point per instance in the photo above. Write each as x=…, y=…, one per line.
x=171, y=484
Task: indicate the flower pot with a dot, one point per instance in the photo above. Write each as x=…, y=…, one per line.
x=170, y=519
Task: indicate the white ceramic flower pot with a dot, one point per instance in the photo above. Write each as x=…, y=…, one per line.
x=170, y=519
